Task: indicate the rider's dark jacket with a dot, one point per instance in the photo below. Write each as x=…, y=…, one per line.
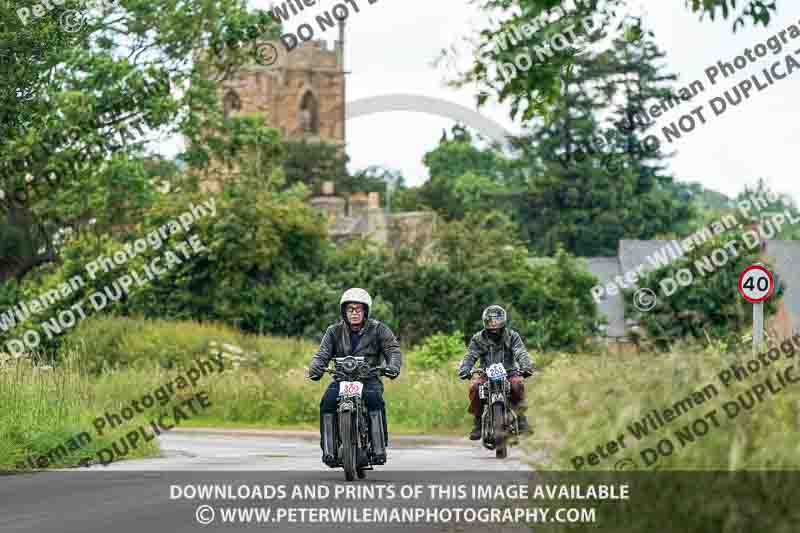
x=377, y=345
x=509, y=350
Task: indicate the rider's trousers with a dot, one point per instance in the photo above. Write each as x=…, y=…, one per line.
x=373, y=398
x=517, y=394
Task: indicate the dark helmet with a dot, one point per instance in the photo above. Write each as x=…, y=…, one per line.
x=494, y=318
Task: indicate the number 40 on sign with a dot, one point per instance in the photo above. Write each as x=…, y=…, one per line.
x=756, y=284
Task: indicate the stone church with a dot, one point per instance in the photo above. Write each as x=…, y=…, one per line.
x=302, y=94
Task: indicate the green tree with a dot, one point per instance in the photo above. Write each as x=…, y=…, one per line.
x=77, y=107
x=530, y=92
x=464, y=176
x=256, y=271
x=761, y=201
x=708, y=305
x=478, y=261
x=596, y=187
x=311, y=163
x=377, y=178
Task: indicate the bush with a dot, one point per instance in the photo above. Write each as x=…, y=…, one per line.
x=268, y=269
x=438, y=350
x=477, y=263
x=114, y=343
x=709, y=305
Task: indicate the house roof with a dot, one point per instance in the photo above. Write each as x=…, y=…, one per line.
x=786, y=255
x=635, y=253
x=610, y=306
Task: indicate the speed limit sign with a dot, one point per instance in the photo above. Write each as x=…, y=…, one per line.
x=756, y=283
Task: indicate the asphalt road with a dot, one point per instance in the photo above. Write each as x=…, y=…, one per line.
x=230, y=450
x=137, y=495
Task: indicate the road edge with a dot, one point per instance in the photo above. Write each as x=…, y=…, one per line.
x=313, y=435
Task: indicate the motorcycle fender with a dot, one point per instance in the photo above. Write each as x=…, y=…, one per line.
x=346, y=406
x=497, y=397
x=486, y=429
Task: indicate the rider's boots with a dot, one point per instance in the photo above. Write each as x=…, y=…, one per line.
x=522, y=424
x=328, y=452
x=476, y=429
x=522, y=421
x=376, y=434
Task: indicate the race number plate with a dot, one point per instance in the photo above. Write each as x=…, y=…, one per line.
x=350, y=388
x=496, y=371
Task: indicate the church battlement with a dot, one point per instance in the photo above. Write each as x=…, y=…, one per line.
x=317, y=53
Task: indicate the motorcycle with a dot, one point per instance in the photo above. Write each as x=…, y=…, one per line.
x=357, y=434
x=499, y=424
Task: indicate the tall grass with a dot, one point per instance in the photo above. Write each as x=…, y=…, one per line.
x=263, y=386
x=575, y=404
x=581, y=403
x=42, y=408
x=717, y=482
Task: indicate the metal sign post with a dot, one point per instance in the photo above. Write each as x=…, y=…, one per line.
x=758, y=326
x=756, y=284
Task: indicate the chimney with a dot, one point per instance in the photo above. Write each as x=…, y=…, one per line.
x=328, y=202
x=377, y=223
x=754, y=227
x=374, y=200
x=359, y=203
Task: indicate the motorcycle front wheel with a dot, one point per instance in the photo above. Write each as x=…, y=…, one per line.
x=499, y=419
x=348, y=445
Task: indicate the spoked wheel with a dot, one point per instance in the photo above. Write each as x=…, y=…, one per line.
x=348, y=446
x=499, y=419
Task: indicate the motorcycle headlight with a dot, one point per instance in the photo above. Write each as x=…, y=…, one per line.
x=349, y=365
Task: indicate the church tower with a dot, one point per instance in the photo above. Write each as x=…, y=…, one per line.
x=301, y=92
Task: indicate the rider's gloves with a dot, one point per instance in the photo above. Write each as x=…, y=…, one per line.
x=313, y=374
x=391, y=372
x=526, y=373
x=464, y=375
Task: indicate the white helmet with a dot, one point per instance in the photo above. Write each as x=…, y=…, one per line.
x=358, y=296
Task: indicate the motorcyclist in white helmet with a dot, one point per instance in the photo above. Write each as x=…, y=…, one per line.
x=356, y=334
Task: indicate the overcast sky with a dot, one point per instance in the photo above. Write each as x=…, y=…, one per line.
x=390, y=46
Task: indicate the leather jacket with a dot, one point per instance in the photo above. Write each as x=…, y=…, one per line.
x=378, y=345
x=510, y=350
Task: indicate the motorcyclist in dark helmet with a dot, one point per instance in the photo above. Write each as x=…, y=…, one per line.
x=496, y=343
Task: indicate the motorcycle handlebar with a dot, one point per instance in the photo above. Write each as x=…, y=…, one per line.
x=515, y=372
x=379, y=369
